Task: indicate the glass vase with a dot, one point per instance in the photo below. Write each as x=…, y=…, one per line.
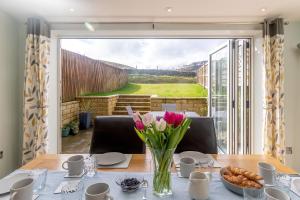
x=162, y=160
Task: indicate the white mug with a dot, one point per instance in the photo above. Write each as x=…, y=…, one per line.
x=22, y=189
x=98, y=191
x=75, y=165
x=268, y=172
x=275, y=194
x=187, y=165
x=198, y=186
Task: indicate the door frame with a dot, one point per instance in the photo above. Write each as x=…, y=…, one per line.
x=76, y=32
x=232, y=96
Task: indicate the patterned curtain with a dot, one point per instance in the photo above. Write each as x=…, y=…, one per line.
x=274, y=130
x=35, y=126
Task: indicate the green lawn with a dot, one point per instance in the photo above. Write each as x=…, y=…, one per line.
x=162, y=90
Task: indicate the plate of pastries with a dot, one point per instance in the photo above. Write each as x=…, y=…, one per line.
x=235, y=179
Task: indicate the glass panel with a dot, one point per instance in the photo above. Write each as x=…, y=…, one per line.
x=240, y=98
x=218, y=93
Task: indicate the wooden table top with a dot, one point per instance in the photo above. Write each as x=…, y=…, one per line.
x=142, y=162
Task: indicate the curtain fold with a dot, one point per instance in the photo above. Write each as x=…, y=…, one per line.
x=35, y=108
x=274, y=128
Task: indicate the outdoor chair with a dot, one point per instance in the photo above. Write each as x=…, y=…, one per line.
x=129, y=110
x=169, y=107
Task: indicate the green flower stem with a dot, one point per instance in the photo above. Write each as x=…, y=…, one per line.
x=162, y=174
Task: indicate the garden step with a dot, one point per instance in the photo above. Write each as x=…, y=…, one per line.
x=134, y=100
x=134, y=96
x=126, y=113
x=134, y=108
x=133, y=104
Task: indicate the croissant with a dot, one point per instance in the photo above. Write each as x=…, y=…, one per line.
x=242, y=177
x=240, y=171
x=233, y=179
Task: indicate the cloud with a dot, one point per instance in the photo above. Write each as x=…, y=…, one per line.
x=145, y=53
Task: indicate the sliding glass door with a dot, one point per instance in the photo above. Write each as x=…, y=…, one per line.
x=229, y=93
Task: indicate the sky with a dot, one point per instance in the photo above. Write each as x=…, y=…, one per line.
x=145, y=53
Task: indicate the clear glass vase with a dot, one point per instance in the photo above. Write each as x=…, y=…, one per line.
x=162, y=160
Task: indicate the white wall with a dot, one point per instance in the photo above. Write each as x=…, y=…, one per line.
x=292, y=92
x=10, y=96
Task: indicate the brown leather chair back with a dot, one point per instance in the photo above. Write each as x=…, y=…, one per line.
x=115, y=134
x=200, y=137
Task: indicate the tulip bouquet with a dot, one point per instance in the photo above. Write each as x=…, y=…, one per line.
x=161, y=135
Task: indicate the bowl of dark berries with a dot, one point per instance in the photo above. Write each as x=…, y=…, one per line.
x=129, y=184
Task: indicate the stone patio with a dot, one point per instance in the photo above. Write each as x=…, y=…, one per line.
x=77, y=144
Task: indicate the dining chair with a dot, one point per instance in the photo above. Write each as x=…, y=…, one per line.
x=129, y=110
x=169, y=107
x=201, y=137
x=115, y=134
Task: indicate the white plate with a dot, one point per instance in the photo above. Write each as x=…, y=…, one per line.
x=110, y=158
x=197, y=156
x=5, y=184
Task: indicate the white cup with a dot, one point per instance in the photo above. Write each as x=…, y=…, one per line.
x=22, y=190
x=198, y=186
x=98, y=191
x=75, y=165
x=187, y=165
x=268, y=172
x=275, y=194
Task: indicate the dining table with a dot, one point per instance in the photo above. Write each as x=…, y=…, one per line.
x=141, y=165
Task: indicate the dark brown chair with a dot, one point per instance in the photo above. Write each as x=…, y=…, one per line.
x=115, y=134
x=200, y=137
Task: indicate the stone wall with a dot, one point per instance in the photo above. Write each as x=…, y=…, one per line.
x=99, y=105
x=70, y=111
x=198, y=105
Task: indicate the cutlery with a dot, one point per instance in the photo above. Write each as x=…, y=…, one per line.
x=144, y=185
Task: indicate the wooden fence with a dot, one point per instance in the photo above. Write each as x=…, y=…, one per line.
x=81, y=75
x=202, y=76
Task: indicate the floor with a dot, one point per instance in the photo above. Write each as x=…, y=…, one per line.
x=79, y=143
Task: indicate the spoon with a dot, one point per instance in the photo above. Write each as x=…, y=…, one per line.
x=144, y=185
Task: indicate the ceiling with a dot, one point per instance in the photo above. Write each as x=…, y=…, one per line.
x=152, y=10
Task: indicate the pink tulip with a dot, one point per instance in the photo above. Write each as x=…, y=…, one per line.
x=139, y=125
x=136, y=116
x=178, y=119
x=170, y=118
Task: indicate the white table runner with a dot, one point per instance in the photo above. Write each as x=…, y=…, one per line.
x=179, y=185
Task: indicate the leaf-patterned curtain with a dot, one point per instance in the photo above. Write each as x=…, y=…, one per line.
x=274, y=130
x=35, y=126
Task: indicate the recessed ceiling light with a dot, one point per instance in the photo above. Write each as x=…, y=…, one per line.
x=169, y=9
x=71, y=9
x=263, y=10
x=89, y=26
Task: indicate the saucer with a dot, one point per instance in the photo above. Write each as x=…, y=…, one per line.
x=75, y=176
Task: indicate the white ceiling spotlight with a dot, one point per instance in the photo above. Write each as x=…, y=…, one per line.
x=263, y=9
x=72, y=10
x=89, y=26
x=169, y=9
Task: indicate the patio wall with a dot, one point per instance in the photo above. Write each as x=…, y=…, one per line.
x=198, y=105
x=70, y=111
x=99, y=105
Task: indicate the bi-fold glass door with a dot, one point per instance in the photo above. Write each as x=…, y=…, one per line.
x=229, y=93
